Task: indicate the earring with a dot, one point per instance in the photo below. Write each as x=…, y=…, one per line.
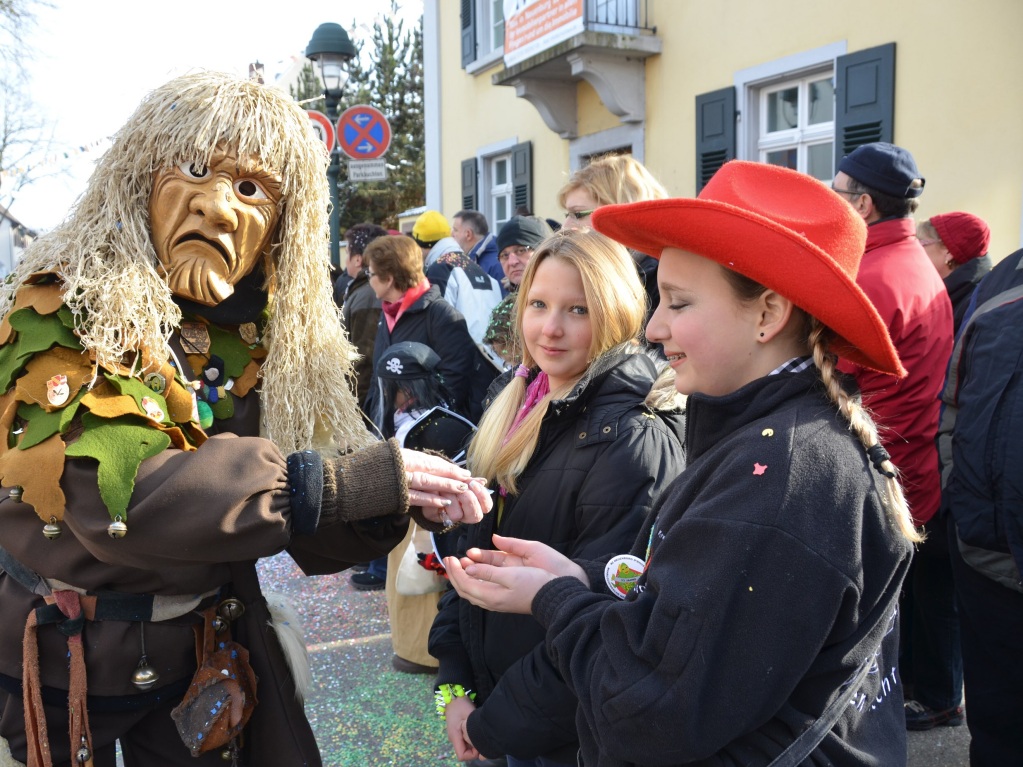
x=761, y=335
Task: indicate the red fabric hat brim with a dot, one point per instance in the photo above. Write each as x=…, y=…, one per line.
x=767, y=252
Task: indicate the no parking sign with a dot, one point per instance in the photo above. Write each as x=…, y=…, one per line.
x=363, y=132
x=322, y=127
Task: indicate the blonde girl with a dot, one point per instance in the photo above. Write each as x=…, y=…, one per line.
x=576, y=451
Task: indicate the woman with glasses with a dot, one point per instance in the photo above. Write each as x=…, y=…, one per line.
x=516, y=241
x=611, y=180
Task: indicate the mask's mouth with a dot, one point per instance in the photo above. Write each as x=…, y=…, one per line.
x=214, y=245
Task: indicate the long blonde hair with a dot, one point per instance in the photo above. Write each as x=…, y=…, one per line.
x=613, y=179
x=617, y=307
x=104, y=255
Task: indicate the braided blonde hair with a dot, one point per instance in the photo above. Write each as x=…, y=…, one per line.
x=104, y=255
x=861, y=424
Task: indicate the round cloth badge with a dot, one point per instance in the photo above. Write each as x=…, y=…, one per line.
x=622, y=572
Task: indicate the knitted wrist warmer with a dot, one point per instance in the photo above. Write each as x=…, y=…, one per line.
x=367, y=483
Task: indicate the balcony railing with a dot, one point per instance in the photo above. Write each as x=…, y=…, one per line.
x=630, y=14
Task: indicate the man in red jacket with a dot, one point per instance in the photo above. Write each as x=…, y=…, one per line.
x=882, y=183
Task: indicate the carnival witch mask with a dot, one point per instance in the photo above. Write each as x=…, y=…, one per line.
x=212, y=224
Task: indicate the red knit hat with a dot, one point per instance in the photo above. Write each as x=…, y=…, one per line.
x=778, y=227
x=965, y=235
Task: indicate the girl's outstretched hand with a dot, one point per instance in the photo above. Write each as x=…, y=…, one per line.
x=507, y=580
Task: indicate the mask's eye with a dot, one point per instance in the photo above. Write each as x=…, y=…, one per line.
x=247, y=189
x=194, y=170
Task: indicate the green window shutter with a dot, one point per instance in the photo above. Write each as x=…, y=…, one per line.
x=864, y=99
x=468, y=32
x=715, y=133
x=522, y=175
x=469, y=173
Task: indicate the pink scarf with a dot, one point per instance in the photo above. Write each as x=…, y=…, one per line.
x=535, y=392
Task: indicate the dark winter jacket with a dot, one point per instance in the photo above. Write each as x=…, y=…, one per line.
x=961, y=283
x=434, y=322
x=360, y=314
x=773, y=572
x=984, y=490
x=485, y=254
x=601, y=459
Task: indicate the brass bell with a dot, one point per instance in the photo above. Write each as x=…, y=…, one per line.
x=219, y=624
x=52, y=529
x=231, y=609
x=83, y=754
x=144, y=676
x=117, y=528
x=16, y=492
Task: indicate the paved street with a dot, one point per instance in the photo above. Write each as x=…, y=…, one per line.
x=367, y=715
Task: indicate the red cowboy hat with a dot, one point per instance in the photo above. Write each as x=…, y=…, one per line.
x=778, y=227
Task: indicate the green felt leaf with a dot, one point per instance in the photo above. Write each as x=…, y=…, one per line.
x=68, y=411
x=66, y=316
x=120, y=445
x=38, y=332
x=224, y=407
x=39, y=425
x=230, y=348
x=134, y=388
x=10, y=365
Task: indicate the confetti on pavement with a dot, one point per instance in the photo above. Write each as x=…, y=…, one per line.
x=362, y=711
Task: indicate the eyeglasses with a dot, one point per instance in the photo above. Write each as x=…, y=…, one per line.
x=520, y=252
x=578, y=214
x=370, y=272
x=924, y=243
x=849, y=192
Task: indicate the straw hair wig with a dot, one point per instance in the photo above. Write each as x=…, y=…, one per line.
x=105, y=257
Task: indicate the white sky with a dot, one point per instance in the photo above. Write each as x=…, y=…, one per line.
x=94, y=61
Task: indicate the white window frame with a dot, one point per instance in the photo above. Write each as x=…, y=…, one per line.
x=487, y=54
x=752, y=85
x=485, y=158
x=804, y=135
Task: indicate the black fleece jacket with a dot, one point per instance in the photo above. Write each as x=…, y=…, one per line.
x=773, y=572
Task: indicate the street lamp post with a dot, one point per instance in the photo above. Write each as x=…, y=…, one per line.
x=332, y=49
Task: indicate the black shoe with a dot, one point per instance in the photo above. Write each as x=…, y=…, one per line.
x=410, y=667
x=921, y=717
x=359, y=568
x=367, y=582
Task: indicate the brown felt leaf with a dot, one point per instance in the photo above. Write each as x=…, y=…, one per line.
x=45, y=299
x=105, y=402
x=38, y=471
x=250, y=376
x=177, y=437
x=179, y=403
x=74, y=364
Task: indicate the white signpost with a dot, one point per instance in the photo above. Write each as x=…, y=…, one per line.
x=367, y=170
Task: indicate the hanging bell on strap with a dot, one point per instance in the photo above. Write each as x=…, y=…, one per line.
x=117, y=528
x=52, y=529
x=83, y=755
x=231, y=609
x=144, y=676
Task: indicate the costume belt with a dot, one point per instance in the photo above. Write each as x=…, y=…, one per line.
x=69, y=607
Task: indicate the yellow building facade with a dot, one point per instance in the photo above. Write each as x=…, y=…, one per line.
x=686, y=84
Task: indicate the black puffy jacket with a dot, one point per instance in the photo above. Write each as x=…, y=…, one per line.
x=601, y=459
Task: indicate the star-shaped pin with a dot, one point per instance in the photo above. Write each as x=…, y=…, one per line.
x=759, y=468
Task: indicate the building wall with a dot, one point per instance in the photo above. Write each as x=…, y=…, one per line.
x=957, y=106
